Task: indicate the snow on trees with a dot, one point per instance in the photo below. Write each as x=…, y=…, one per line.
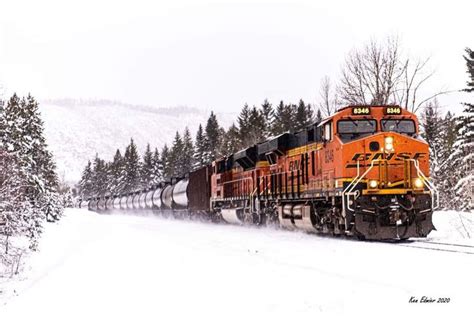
x=29, y=182
x=462, y=157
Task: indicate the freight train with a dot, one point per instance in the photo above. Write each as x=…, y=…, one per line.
x=362, y=172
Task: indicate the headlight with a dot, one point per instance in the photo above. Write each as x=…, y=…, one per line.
x=417, y=183
x=388, y=143
x=373, y=184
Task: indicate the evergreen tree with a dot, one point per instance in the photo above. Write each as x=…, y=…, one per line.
x=244, y=126
x=147, y=167
x=267, y=113
x=13, y=201
x=86, y=185
x=187, y=157
x=157, y=175
x=256, y=129
x=212, y=138
x=18, y=141
x=469, y=58
x=449, y=131
x=446, y=170
x=230, y=143
x=431, y=122
x=43, y=163
x=303, y=116
x=99, y=178
x=463, y=149
x=131, y=168
x=166, y=163
x=175, y=160
x=200, y=148
x=116, y=172
x=283, y=119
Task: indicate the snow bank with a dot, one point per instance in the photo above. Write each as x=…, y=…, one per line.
x=130, y=265
x=453, y=226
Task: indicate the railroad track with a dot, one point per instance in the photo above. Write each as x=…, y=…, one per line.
x=439, y=246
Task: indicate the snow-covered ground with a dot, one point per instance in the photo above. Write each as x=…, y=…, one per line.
x=92, y=264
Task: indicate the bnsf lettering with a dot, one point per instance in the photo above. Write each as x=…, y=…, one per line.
x=390, y=157
x=294, y=165
x=399, y=156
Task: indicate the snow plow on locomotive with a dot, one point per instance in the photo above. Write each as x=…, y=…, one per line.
x=362, y=172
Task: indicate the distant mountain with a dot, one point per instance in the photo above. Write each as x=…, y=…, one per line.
x=78, y=129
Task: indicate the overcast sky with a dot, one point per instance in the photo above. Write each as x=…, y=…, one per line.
x=216, y=54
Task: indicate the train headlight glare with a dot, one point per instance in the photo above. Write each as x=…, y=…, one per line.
x=418, y=183
x=389, y=143
x=373, y=184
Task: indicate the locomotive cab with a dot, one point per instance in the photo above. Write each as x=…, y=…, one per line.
x=383, y=179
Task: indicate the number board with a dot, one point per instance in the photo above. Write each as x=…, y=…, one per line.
x=393, y=110
x=361, y=110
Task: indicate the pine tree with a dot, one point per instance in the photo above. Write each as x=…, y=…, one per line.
x=187, y=157
x=267, y=114
x=166, y=163
x=303, y=116
x=157, y=175
x=244, y=126
x=283, y=118
x=147, y=167
x=200, y=148
x=20, y=137
x=116, y=172
x=256, y=128
x=446, y=170
x=470, y=69
x=175, y=158
x=212, y=138
x=12, y=200
x=86, y=185
x=230, y=141
x=99, y=178
x=463, y=149
x=431, y=122
x=131, y=168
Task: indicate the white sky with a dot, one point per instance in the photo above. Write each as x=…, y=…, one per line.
x=216, y=54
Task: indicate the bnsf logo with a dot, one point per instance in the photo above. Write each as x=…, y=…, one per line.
x=396, y=157
x=399, y=156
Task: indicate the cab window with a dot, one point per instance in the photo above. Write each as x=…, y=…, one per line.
x=354, y=129
x=402, y=126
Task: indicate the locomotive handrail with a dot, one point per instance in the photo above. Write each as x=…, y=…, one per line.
x=348, y=191
x=236, y=180
x=428, y=183
x=347, y=188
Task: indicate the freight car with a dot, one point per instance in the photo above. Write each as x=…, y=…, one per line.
x=361, y=172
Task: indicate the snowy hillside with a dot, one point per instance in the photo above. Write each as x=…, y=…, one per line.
x=92, y=264
x=76, y=129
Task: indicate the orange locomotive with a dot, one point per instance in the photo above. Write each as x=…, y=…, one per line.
x=361, y=172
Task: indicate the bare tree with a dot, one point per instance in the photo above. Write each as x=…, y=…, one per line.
x=379, y=74
x=328, y=97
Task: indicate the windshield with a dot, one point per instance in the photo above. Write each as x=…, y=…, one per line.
x=399, y=126
x=353, y=129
